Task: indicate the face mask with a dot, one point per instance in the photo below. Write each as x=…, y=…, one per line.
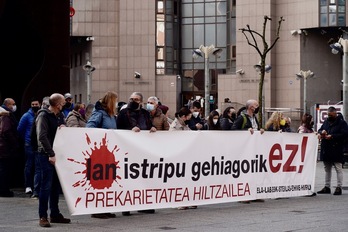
x=282, y=122
x=35, y=108
x=14, y=108
x=82, y=112
x=215, y=121
x=331, y=119
x=234, y=116
x=195, y=114
x=134, y=105
x=150, y=107
x=256, y=110
x=67, y=105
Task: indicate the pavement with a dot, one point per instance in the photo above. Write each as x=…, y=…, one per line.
x=324, y=212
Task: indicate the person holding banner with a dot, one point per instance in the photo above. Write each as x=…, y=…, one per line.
x=47, y=123
x=104, y=116
x=247, y=119
x=134, y=117
x=159, y=120
x=332, y=134
x=181, y=120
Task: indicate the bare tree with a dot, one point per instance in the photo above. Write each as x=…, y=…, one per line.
x=251, y=37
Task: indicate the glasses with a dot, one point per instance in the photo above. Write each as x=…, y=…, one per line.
x=134, y=99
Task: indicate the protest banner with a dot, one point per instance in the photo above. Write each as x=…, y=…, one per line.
x=121, y=170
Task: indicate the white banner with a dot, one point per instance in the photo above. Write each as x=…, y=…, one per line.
x=121, y=170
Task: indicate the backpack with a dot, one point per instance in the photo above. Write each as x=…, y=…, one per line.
x=244, y=121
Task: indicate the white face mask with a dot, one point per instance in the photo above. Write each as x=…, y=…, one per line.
x=14, y=108
x=215, y=121
x=150, y=107
x=195, y=114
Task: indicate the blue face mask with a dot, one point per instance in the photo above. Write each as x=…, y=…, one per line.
x=150, y=107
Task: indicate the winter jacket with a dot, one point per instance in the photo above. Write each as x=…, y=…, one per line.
x=178, y=125
x=129, y=118
x=75, y=119
x=243, y=122
x=47, y=123
x=101, y=119
x=331, y=150
x=159, y=120
x=25, y=124
x=9, y=140
x=226, y=123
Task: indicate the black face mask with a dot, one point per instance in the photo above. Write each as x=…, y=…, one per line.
x=67, y=105
x=35, y=108
x=234, y=116
x=331, y=119
x=256, y=110
x=134, y=105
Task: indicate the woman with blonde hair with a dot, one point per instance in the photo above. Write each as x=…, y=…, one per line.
x=274, y=122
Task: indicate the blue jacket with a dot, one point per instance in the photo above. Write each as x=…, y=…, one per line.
x=25, y=124
x=100, y=119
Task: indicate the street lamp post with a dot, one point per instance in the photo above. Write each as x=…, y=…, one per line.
x=304, y=75
x=206, y=50
x=342, y=48
x=89, y=69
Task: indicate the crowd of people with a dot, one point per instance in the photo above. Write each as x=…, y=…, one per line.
x=37, y=128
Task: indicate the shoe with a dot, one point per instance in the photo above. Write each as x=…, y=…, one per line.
x=338, y=191
x=258, y=200
x=325, y=190
x=245, y=202
x=311, y=195
x=148, y=211
x=110, y=215
x=183, y=208
x=7, y=194
x=44, y=222
x=126, y=213
x=34, y=196
x=192, y=207
x=28, y=190
x=100, y=215
x=60, y=219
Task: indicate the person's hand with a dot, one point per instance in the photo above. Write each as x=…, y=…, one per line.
x=136, y=129
x=328, y=137
x=52, y=160
x=153, y=129
x=199, y=126
x=251, y=130
x=262, y=130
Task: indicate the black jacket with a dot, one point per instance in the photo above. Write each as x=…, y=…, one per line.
x=331, y=150
x=46, y=127
x=129, y=118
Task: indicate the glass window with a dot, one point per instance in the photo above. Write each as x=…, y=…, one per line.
x=221, y=35
x=221, y=8
x=187, y=34
x=198, y=9
x=341, y=21
x=323, y=20
x=341, y=9
x=160, y=53
x=323, y=9
x=209, y=19
x=332, y=9
x=160, y=7
x=186, y=10
x=323, y=2
x=210, y=9
x=198, y=35
x=210, y=34
x=342, y=2
x=332, y=20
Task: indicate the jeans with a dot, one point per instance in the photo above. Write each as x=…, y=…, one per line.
x=31, y=169
x=50, y=188
x=5, y=175
x=328, y=171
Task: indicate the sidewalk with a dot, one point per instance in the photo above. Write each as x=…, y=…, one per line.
x=320, y=213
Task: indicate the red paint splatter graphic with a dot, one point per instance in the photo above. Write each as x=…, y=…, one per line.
x=100, y=167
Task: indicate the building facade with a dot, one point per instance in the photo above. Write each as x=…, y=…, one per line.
x=155, y=38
